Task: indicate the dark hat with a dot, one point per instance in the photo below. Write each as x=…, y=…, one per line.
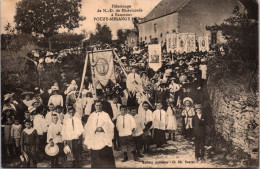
x=148, y=126
x=162, y=84
x=99, y=92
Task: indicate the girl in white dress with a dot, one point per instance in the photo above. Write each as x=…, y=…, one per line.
x=87, y=110
x=172, y=122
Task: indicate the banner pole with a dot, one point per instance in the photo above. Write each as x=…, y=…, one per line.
x=120, y=63
x=84, y=74
x=93, y=74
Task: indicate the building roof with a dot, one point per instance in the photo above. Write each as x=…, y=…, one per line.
x=165, y=7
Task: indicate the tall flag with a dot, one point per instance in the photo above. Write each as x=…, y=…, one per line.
x=102, y=67
x=174, y=42
x=155, y=56
x=203, y=43
x=191, y=43
x=169, y=42
x=182, y=42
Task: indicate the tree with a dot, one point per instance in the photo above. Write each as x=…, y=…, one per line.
x=46, y=17
x=122, y=34
x=239, y=64
x=62, y=41
x=103, y=34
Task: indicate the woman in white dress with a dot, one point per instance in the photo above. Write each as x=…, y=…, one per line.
x=172, y=122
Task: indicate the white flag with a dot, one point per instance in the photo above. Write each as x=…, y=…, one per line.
x=182, y=42
x=155, y=57
x=102, y=67
x=203, y=43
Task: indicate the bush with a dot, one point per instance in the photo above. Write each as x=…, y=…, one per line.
x=236, y=71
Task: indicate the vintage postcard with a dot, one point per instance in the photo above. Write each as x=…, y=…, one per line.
x=129, y=84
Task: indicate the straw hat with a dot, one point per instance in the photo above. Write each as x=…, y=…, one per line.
x=27, y=93
x=187, y=99
x=8, y=96
x=51, y=150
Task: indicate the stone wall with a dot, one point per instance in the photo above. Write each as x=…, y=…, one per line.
x=236, y=122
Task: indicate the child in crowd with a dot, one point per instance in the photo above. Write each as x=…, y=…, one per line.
x=89, y=100
x=125, y=125
x=8, y=141
x=147, y=118
x=39, y=124
x=29, y=143
x=50, y=113
x=187, y=115
x=159, y=124
x=199, y=130
x=116, y=112
x=72, y=131
x=16, y=135
x=27, y=116
x=138, y=132
x=60, y=114
x=54, y=136
x=171, y=121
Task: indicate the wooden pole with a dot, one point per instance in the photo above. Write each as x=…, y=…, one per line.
x=93, y=74
x=120, y=63
x=84, y=74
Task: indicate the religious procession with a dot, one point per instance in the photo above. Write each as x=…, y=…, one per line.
x=123, y=106
x=160, y=95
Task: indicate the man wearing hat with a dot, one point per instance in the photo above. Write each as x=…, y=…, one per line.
x=199, y=130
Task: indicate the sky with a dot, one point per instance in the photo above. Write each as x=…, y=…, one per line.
x=89, y=10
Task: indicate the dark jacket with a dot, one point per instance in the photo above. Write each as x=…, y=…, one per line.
x=199, y=126
x=106, y=108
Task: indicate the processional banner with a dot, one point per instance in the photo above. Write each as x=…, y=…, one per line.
x=102, y=67
x=155, y=57
x=203, y=43
x=191, y=43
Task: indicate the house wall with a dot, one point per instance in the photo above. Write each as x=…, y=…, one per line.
x=164, y=24
x=197, y=14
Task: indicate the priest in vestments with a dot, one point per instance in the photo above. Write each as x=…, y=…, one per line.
x=99, y=132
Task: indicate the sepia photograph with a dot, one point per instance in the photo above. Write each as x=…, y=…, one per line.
x=129, y=84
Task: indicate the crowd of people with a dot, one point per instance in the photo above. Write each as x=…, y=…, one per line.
x=129, y=116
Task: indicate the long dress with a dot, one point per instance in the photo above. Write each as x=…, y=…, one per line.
x=172, y=123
